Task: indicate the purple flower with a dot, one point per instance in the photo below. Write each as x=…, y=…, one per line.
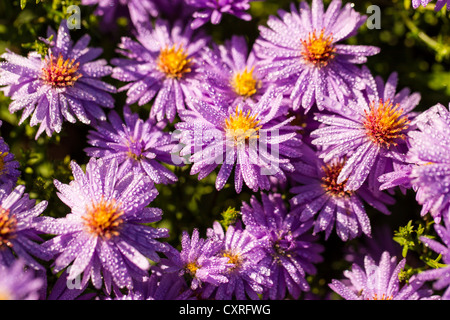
x=17, y=283
x=428, y=163
x=65, y=85
x=379, y=282
x=158, y=286
x=291, y=252
x=300, y=50
x=441, y=275
x=251, y=138
x=369, y=131
x=198, y=259
x=137, y=145
x=162, y=64
x=9, y=172
x=439, y=4
x=249, y=274
x=19, y=224
x=318, y=195
x=213, y=10
x=105, y=237
x=231, y=73
x=137, y=10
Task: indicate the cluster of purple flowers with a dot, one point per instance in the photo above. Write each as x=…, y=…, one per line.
x=298, y=108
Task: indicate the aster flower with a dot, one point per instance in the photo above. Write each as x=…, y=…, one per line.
x=198, y=259
x=137, y=10
x=158, y=286
x=9, y=172
x=369, y=131
x=64, y=86
x=439, y=4
x=380, y=282
x=319, y=196
x=251, y=138
x=301, y=50
x=231, y=73
x=440, y=275
x=140, y=146
x=65, y=290
x=17, y=283
x=213, y=10
x=292, y=251
x=106, y=233
x=428, y=169
x=161, y=64
x=19, y=228
x=249, y=274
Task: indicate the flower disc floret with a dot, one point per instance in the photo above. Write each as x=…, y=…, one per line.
x=385, y=123
x=60, y=72
x=245, y=84
x=8, y=226
x=174, y=62
x=318, y=49
x=104, y=219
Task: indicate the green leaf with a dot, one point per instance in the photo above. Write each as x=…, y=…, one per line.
x=23, y=3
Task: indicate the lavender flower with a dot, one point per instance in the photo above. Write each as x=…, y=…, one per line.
x=19, y=224
x=439, y=4
x=428, y=165
x=162, y=64
x=199, y=259
x=213, y=10
x=9, y=172
x=379, y=282
x=292, y=251
x=231, y=73
x=65, y=85
x=137, y=145
x=300, y=50
x=249, y=274
x=16, y=283
x=370, y=131
x=253, y=139
x=441, y=275
x=106, y=236
x=319, y=196
x=137, y=10
x=158, y=286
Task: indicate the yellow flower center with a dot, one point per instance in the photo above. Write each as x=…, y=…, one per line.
x=192, y=267
x=241, y=127
x=60, y=73
x=174, y=62
x=244, y=84
x=318, y=49
x=104, y=219
x=384, y=123
x=233, y=258
x=8, y=226
x=329, y=180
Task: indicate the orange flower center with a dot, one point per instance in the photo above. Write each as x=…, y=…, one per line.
x=329, y=180
x=104, y=219
x=8, y=226
x=318, y=49
x=385, y=123
x=174, y=62
x=60, y=73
